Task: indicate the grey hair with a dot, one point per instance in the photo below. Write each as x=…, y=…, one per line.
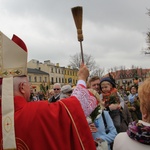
x=57, y=84
x=17, y=81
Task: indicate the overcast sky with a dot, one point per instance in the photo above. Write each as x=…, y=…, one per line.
x=114, y=30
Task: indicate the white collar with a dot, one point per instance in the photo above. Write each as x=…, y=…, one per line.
x=144, y=123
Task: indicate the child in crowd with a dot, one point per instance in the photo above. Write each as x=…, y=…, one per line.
x=111, y=100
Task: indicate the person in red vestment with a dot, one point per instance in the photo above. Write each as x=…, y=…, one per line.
x=52, y=126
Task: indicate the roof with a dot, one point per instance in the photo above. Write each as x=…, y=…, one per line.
x=36, y=71
x=128, y=73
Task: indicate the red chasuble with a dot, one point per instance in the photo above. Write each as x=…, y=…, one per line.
x=51, y=126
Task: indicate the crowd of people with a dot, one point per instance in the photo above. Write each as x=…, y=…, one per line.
x=84, y=117
x=118, y=110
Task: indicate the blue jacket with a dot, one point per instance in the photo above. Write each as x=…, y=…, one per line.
x=132, y=97
x=101, y=133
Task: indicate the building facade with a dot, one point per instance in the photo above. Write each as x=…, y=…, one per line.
x=126, y=78
x=70, y=76
x=56, y=73
x=38, y=78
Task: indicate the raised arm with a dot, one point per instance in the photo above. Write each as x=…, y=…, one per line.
x=87, y=100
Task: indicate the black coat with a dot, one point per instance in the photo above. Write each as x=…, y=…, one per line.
x=54, y=99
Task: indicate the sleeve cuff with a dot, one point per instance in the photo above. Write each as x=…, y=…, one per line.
x=82, y=82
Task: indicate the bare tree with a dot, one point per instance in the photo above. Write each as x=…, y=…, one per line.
x=97, y=72
x=88, y=60
x=114, y=69
x=147, y=50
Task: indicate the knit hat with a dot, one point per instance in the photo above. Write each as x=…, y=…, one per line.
x=13, y=62
x=111, y=81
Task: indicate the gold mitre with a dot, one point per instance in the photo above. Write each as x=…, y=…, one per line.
x=13, y=59
x=13, y=62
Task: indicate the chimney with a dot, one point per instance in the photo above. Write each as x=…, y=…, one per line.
x=47, y=62
x=57, y=64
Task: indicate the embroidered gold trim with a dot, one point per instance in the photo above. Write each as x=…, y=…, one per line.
x=21, y=145
x=8, y=131
x=12, y=72
x=7, y=123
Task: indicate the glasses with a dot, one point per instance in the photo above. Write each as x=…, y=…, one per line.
x=56, y=89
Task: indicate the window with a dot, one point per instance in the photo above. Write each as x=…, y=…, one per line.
x=35, y=79
x=29, y=78
x=52, y=80
x=45, y=79
x=52, y=70
x=69, y=80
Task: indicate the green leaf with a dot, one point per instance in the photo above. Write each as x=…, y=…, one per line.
x=95, y=113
